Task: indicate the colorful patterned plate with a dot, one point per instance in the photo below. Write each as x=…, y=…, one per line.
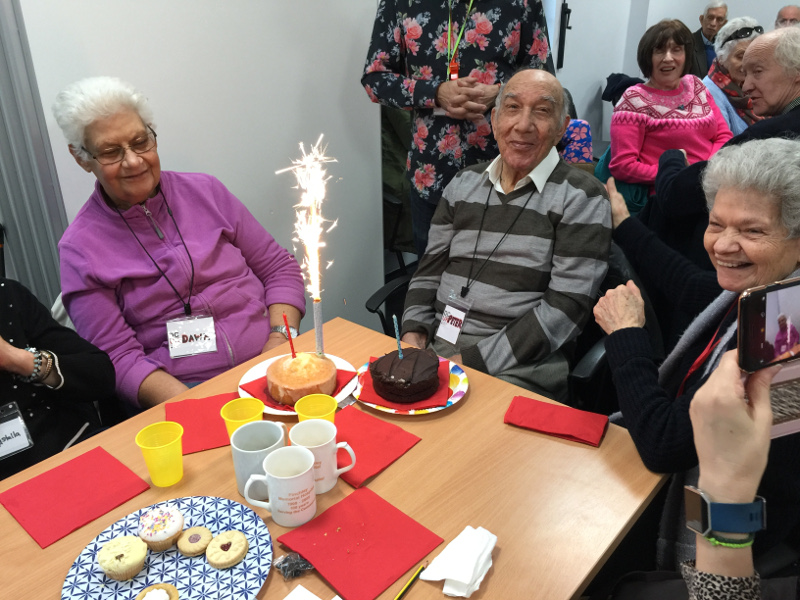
x=260, y=370
x=458, y=387
x=194, y=577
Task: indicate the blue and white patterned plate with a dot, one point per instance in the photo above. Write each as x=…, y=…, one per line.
x=194, y=577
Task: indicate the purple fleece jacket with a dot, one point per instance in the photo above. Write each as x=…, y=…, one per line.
x=120, y=302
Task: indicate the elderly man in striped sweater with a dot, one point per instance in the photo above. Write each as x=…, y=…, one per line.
x=517, y=249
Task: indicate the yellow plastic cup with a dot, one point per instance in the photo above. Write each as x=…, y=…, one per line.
x=240, y=411
x=163, y=452
x=316, y=406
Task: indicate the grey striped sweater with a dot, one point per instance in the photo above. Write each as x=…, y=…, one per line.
x=539, y=287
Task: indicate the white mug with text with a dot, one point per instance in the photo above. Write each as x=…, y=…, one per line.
x=290, y=479
x=319, y=436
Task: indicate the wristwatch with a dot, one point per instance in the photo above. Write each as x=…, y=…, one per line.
x=704, y=516
x=282, y=329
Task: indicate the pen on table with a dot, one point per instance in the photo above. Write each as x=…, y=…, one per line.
x=411, y=581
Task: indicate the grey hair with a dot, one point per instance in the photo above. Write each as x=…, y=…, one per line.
x=770, y=167
x=724, y=52
x=82, y=103
x=787, y=49
x=498, y=103
x=715, y=4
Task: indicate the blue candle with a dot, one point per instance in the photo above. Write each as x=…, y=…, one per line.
x=397, y=335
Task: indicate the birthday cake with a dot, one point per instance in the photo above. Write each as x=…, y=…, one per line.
x=409, y=379
x=289, y=379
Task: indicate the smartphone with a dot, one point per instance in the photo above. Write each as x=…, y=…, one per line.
x=769, y=324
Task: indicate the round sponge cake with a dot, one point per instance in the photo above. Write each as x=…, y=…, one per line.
x=289, y=379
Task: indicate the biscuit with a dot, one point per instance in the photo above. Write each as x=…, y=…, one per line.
x=169, y=589
x=194, y=541
x=227, y=549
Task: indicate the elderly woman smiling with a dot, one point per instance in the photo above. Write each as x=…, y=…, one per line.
x=726, y=75
x=672, y=110
x=167, y=272
x=753, y=238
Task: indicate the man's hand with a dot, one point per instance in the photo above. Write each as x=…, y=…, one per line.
x=466, y=98
x=620, y=308
x=415, y=338
x=619, y=210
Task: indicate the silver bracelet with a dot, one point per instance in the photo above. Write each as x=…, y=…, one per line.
x=37, y=367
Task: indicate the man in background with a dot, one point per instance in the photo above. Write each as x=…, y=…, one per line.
x=787, y=16
x=711, y=21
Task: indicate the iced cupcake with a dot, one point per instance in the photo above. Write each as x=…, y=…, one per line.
x=160, y=527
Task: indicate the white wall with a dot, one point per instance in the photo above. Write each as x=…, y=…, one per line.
x=235, y=86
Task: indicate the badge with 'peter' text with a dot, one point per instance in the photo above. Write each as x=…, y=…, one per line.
x=191, y=335
x=451, y=324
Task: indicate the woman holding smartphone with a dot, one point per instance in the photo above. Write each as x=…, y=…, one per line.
x=753, y=238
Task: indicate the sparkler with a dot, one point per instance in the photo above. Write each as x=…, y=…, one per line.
x=311, y=178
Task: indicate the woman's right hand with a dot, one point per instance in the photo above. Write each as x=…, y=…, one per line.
x=620, y=308
x=619, y=210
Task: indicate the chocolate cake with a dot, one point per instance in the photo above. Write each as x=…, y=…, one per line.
x=410, y=379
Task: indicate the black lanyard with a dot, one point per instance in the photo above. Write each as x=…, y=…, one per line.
x=470, y=279
x=187, y=307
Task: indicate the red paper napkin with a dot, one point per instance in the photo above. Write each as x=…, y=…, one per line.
x=376, y=444
x=555, y=419
x=258, y=389
x=439, y=398
x=362, y=544
x=56, y=503
x=203, y=426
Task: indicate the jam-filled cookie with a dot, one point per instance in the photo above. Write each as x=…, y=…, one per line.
x=194, y=541
x=227, y=549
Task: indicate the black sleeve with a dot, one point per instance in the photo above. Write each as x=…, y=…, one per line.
x=88, y=372
x=679, y=191
x=689, y=287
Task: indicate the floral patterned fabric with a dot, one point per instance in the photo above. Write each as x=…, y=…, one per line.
x=577, y=142
x=407, y=61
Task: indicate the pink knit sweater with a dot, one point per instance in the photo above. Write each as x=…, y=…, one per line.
x=648, y=121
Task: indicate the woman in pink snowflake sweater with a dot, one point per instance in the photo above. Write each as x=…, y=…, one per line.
x=672, y=110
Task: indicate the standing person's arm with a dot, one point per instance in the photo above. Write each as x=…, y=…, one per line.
x=534, y=40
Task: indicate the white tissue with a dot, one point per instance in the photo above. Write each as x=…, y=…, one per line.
x=463, y=563
x=301, y=593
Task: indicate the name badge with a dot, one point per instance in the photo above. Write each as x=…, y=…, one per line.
x=451, y=324
x=191, y=335
x=14, y=435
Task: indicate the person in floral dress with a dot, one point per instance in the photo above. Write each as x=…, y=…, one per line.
x=407, y=67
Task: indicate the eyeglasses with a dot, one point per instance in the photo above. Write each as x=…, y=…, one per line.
x=743, y=34
x=111, y=156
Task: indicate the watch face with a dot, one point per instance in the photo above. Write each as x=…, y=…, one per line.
x=696, y=511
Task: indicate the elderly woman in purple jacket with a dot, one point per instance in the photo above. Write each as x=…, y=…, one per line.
x=167, y=272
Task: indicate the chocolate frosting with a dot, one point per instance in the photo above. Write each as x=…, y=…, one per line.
x=412, y=378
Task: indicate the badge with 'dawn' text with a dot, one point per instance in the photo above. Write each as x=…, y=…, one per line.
x=191, y=335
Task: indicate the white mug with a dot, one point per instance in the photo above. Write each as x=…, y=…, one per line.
x=250, y=445
x=319, y=436
x=290, y=479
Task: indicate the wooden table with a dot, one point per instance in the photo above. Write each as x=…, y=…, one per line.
x=558, y=508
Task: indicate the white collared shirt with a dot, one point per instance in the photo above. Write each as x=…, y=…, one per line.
x=539, y=174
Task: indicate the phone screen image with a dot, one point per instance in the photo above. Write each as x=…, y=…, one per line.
x=770, y=322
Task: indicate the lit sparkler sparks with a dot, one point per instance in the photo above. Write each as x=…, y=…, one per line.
x=309, y=226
